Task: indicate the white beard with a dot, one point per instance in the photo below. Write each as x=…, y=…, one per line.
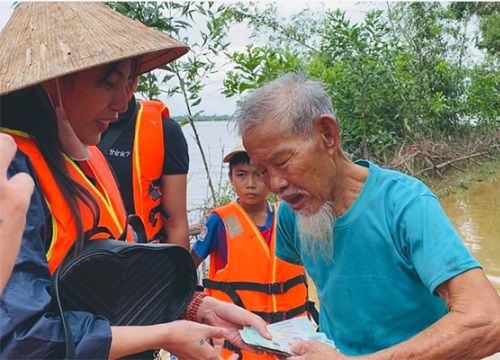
x=316, y=232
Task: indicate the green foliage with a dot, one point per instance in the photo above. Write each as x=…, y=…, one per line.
x=186, y=76
x=489, y=22
x=257, y=66
x=402, y=75
x=416, y=70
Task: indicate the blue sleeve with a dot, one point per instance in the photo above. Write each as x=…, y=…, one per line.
x=287, y=240
x=429, y=241
x=31, y=326
x=208, y=241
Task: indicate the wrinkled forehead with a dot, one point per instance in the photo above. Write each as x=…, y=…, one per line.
x=264, y=149
x=254, y=139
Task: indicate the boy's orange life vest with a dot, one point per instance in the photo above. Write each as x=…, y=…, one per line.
x=105, y=191
x=254, y=277
x=147, y=166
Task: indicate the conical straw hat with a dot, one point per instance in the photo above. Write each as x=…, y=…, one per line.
x=45, y=40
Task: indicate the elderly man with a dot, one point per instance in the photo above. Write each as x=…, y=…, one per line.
x=393, y=277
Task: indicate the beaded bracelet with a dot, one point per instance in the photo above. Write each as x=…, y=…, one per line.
x=192, y=308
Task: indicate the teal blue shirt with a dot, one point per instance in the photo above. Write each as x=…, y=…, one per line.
x=392, y=248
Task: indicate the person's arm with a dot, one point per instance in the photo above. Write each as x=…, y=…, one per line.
x=174, y=188
x=197, y=260
x=174, y=183
x=182, y=338
x=209, y=239
x=15, y=194
x=30, y=328
x=187, y=339
x=470, y=330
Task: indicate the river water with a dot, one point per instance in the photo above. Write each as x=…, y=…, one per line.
x=217, y=139
x=474, y=212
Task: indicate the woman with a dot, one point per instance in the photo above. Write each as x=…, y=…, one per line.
x=64, y=69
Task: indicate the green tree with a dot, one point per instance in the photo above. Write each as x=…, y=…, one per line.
x=489, y=22
x=187, y=75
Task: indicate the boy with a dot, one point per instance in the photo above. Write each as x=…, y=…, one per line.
x=240, y=238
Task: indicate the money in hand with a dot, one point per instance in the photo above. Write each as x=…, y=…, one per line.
x=300, y=328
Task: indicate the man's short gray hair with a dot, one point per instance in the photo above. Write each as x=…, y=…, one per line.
x=292, y=102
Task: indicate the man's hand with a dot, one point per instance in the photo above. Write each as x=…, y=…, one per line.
x=313, y=350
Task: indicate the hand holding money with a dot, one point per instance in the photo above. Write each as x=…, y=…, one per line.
x=283, y=333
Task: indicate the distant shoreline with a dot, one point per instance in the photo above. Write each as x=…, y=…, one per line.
x=184, y=119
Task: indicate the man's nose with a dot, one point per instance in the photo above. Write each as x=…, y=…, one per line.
x=277, y=183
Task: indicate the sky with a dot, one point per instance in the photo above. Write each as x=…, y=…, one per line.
x=213, y=102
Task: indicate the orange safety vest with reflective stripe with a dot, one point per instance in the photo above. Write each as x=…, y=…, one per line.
x=254, y=277
x=147, y=165
x=105, y=191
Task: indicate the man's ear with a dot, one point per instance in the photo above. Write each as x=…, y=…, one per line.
x=327, y=129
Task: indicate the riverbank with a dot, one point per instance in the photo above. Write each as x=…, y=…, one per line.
x=464, y=177
x=448, y=167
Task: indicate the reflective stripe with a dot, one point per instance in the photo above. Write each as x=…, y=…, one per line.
x=112, y=211
x=147, y=159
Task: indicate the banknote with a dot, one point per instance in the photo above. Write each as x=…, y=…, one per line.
x=300, y=328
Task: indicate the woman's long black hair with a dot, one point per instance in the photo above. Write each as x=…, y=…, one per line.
x=29, y=110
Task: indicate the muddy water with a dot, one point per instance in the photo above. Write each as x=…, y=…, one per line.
x=475, y=213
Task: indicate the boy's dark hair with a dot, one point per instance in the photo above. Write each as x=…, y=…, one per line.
x=237, y=159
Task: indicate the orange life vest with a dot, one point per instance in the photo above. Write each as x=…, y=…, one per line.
x=254, y=277
x=105, y=191
x=147, y=166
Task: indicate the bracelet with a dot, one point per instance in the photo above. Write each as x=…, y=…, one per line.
x=192, y=308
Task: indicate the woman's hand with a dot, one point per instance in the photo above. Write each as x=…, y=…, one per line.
x=190, y=340
x=232, y=318
x=15, y=195
x=187, y=340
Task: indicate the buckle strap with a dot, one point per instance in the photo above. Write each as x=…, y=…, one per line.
x=159, y=237
x=311, y=309
x=272, y=317
x=158, y=209
x=269, y=289
x=154, y=189
x=225, y=288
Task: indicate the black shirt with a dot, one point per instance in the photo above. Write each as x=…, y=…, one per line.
x=119, y=153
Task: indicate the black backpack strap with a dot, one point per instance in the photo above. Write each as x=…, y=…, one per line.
x=136, y=223
x=70, y=342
